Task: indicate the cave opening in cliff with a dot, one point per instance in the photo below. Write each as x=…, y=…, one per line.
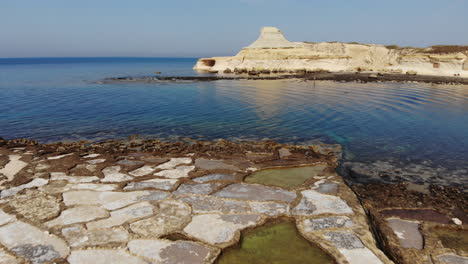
x=209, y=63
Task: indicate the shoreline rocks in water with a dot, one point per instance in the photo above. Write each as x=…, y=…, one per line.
x=186, y=202
x=339, y=77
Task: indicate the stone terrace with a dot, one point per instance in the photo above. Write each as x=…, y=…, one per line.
x=127, y=202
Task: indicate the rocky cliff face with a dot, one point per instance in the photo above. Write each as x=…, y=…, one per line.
x=273, y=52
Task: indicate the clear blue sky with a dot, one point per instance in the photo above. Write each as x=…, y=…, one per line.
x=182, y=28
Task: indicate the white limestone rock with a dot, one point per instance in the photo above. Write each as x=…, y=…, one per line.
x=179, y=172
x=103, y=256
x=31, y=243
x=6, y=218
x=6, y=258
x=121, y=216
x=351, y=247
x=145, y=170
x=220, y=230
x=59, y=156
x=173, y=252
x=161, y=184
x=174, y=162
x=59, y=176
x=84, y=213
x=13, y=166
x=110, y=200
x=78, y=236
x=37, y=182
x=112, y=174
x=315, y=203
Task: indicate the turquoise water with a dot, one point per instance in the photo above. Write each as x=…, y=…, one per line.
x=57, y=99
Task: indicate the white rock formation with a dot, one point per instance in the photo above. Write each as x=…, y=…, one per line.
x=273, y=52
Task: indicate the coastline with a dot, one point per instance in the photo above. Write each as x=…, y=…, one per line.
x=339, y=77
x=385, y=209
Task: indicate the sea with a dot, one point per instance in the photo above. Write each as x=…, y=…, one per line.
x=61, y=99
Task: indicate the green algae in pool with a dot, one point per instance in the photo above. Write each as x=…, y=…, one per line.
x=452, y=238
x=275, y=244
x=285, y=177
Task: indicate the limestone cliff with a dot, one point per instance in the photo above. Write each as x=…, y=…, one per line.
x=273, y=52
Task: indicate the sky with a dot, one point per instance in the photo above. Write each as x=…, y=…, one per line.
x=204, y=28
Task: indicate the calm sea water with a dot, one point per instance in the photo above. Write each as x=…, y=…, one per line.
x=57, y=99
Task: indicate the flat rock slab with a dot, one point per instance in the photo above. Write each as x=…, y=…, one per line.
x=315, y=203
x=145, y=170
x=351, y=247
x=112, y=174
x=103, y=256
x=207, y=164
x=32, y=243
x=220, y=230
x=407, y=232
x=13, y=166
x=78, y=236
x=6, y=258
x=256, y=193
x=215, y=177
x=111, y=200
x=326, y=187
x=6, y=218
x=172, y=216
x=210, y=204
x=161, y=184
x=179, y=172
x=35, y=205
x=173, y=252
x=59, y=176
x=84, y=213
x=197, y=188
x=37, y=182
x=174, y=162
x=121, y=216
x=452, y=259
x=310, y=225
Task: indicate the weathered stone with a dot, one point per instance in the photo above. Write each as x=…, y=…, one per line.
x=215, y=177
x=326, y=187
x=172, y=216
x=210, y=204
x=407, y=232
x=311, y=225
x=84, y=213
x=452, y=259
x=130, y=163
x=59, y=156
x=111, y=200
x=221, y=230
x=173, y=252
x=119, y=217
x=6, y=218
x=112, y=174
x=162, y=184
x=207, y=164
x=78, y=236
x=92, y=186
x=103, y=256
x=197, y=188
x=351, y=247
x=269, y=208
x=32, y=184
x=13, y=166
x=314, y=203
x=92, y=156
x=174, y=162
x=35, y=205
x=284, y=152
x=6, y=258
x=32, y=243
x=95, y=161
x=179, y=172
x=58, y=176
x=145, y=170
x=256, y=193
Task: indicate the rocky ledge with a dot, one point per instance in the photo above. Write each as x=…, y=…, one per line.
x=188, y=202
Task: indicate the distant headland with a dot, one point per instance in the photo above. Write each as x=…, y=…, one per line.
x=273, y=53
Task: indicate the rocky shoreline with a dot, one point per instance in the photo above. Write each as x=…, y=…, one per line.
x=148, y=201
x=307, y=76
